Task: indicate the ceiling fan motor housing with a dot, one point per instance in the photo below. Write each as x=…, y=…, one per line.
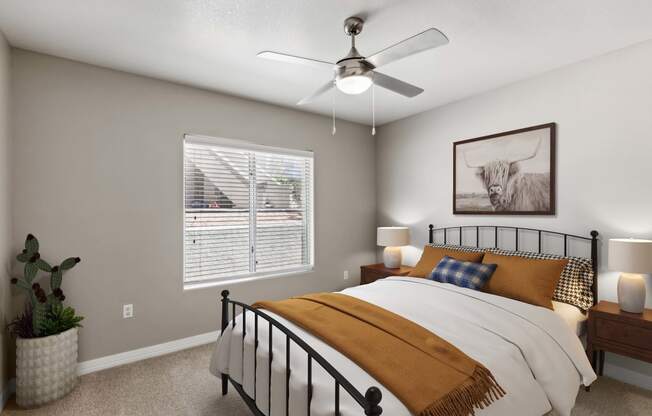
x=352, y=67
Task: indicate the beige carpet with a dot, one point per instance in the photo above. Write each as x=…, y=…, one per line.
x=180, y=384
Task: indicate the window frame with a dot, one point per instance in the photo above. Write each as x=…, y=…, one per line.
x=242, y=277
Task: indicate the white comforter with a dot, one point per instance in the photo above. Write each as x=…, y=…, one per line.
x=530, y=350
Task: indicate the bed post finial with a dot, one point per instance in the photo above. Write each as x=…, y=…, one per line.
x=225, y=309
x=594, y=260
x=431, y=238
x=373, y=397
x=225, y=323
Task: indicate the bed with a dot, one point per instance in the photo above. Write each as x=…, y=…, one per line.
x=533, y=352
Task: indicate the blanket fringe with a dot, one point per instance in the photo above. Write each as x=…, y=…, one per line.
x=479, y=391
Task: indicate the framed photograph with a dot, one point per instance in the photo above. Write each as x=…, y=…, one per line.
x=510, y=173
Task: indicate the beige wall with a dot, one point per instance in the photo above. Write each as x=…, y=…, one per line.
x=5, y=217
x=604, y=144
x=98, y=175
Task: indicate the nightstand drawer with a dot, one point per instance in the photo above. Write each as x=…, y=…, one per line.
x=369, y=276
x=373, y=274
x=623, y=334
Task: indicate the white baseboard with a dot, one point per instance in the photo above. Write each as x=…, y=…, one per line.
x=115, y=360
x=628, y=376
x=132, y=356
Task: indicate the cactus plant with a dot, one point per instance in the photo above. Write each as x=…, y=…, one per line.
x=41, y=303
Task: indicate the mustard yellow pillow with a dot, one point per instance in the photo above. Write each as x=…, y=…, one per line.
x=528, y=280
x=432, y=255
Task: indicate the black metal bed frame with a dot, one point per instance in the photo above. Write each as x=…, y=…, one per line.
x=370, y=400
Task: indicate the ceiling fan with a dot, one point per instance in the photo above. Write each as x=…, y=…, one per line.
x=355, y=73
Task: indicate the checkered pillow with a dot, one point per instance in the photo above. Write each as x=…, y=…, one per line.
x=468, y=249
x=462, y=273
x=574, y=286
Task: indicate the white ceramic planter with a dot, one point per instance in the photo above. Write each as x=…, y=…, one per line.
x=46, y=368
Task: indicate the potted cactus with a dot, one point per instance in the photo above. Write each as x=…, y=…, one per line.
x=46, y=332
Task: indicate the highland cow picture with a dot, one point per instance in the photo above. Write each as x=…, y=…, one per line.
x=506, y=173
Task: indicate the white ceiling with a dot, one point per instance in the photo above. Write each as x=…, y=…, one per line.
x=213, y=44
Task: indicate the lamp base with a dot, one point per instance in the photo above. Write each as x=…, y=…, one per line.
x=392, y=257
x=631, y=293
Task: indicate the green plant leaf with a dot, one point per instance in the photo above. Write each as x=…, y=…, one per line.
x=23, y=285
x=31, y=244
x=43, y=265
x=53, y=300
x=30, y=271
x=55, y=279
x=39, y=315
x=24, y=257
x=69, y=263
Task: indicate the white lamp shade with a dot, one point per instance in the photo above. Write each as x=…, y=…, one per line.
x=393, y=236
x=630, y=255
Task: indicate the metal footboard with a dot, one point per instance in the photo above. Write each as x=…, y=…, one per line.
x=369, y=402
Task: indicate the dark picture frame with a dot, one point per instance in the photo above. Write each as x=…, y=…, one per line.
x=508, y=173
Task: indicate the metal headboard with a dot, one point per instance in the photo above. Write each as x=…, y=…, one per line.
x=541, y=233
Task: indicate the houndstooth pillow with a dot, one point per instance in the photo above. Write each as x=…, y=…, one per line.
x=574, y=286
x=468, y=249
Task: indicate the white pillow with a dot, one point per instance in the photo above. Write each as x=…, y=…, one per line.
x=572, y=315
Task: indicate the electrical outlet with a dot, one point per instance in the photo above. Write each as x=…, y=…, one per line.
x=128, y=311
x=346, y=275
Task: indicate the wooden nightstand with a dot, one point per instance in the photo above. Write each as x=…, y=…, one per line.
x=610, y=329
x=372, y=272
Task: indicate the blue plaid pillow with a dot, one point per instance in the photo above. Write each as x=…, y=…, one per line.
x=462, y=273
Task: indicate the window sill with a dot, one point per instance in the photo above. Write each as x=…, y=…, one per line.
x=216, y=283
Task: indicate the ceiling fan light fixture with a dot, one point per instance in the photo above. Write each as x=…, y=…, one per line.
x=353, y=84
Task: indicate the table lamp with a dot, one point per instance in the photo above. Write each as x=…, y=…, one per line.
x=632, y=257
x=392, y=238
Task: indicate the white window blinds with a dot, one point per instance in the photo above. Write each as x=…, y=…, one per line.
x=247, y=210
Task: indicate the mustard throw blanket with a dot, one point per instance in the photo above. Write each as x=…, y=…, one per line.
x=430, y=376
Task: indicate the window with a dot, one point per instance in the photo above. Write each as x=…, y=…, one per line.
x=248, y=210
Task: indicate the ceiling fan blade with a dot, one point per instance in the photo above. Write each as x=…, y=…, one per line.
x=326, y=87
x=428, y=39
x=291, y=59
x=396, y=85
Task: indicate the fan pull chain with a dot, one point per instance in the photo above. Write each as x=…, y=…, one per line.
x=333, y=105
x=373, y=109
